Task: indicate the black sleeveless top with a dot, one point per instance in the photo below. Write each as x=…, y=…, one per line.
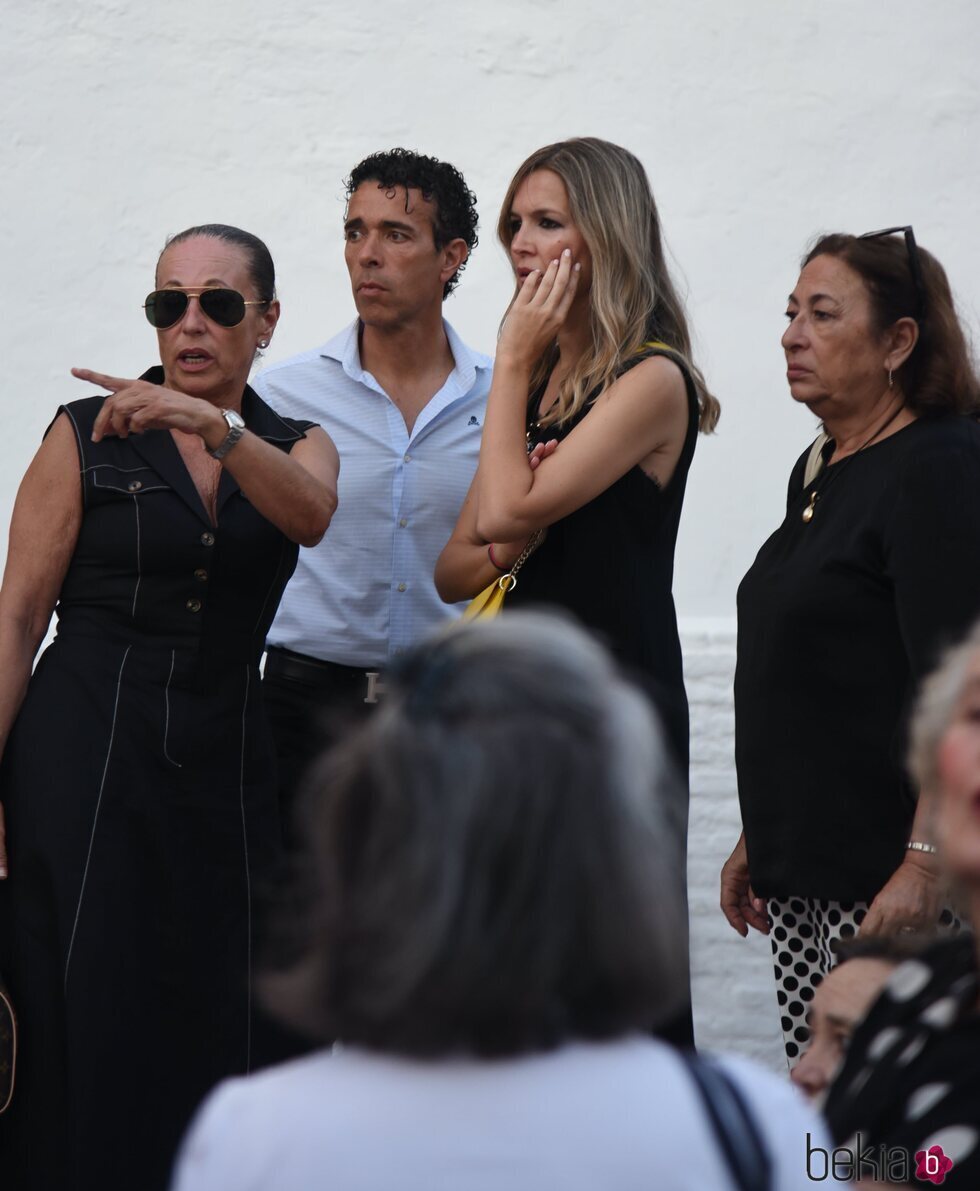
x=611, y=564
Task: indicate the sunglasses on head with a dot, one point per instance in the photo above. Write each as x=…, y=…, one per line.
x=915, y=264
x=226, y=307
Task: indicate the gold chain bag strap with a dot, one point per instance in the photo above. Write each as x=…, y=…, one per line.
x=491, y=599
x=8, y=1048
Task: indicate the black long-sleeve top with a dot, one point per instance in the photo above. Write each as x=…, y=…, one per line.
x=838, y=621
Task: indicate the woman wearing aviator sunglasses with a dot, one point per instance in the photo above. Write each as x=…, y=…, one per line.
x=137, y=774
x=875, y=567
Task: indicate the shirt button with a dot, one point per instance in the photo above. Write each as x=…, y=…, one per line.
x=408, y=458
x=201, y=574
x=403, y=522
x=193, y=605
x=135, y=485
x=207, y=539
x=402, y=586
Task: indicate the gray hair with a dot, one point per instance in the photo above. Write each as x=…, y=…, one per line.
x=935, y=707
x=496, y=861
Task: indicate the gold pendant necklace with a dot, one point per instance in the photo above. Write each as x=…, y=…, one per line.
x=810, y=509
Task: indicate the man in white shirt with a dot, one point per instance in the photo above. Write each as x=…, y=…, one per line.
x=403, y=399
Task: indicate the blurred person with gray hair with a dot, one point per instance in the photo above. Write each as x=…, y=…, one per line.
x=911, y=1078
x=493, y=923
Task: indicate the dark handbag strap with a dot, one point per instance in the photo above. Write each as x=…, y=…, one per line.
x=734, y=1124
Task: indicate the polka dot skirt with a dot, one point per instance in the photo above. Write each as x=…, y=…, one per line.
x=804, y=936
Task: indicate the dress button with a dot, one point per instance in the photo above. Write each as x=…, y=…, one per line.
x=402, y=586
x=408, y=458
x=403, y=522
x=201, y=574
x=207, y=539
x=135, y=485
x=193, y=605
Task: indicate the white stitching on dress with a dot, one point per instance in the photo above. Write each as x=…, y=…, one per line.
x=139, y=572
x=166, y=696
x=272, y=585
x=115, y=467
x=95, y=817
x=117, y=488
x=81, y=453
x=295, y=435
x=248, y=879
x=95, y=468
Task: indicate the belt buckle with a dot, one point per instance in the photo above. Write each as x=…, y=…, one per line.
x=375, y=686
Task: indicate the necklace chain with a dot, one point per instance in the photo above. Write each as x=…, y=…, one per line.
x=817, y=492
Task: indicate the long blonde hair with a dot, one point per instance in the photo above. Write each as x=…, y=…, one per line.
x=632, y=299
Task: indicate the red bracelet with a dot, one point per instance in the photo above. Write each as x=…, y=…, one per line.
x=502, y=570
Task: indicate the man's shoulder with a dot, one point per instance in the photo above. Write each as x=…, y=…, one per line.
x=323, y=358
x=302, y=385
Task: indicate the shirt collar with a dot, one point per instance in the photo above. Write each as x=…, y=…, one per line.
x=344, y=348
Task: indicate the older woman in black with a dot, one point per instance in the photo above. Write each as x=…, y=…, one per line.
x=138, y=774
x=876, y=564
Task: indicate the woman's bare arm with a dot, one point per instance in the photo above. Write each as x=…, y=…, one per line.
x=464, y=567
x=642, y=418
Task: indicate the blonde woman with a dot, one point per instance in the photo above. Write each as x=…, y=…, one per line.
x=615, y=418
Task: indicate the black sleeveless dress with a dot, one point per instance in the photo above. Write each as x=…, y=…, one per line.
x=611, y=563
x=140, y=793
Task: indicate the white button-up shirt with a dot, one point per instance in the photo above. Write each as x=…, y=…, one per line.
x=366, y=592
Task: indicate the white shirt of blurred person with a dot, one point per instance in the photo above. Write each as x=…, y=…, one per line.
x=508, y=945
x=403, y=398
x=840, y=1002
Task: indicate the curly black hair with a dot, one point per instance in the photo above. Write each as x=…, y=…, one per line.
x=455, y=204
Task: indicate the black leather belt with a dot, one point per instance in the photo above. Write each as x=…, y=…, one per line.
x=348, y=682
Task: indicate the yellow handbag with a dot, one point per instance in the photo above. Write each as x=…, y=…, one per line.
x=491, y=599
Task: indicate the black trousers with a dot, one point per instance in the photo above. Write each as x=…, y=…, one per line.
x=312, y=706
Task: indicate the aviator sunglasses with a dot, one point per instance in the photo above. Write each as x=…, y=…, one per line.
x=226, y=307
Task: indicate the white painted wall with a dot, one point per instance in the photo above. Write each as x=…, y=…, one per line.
x=761, y=123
